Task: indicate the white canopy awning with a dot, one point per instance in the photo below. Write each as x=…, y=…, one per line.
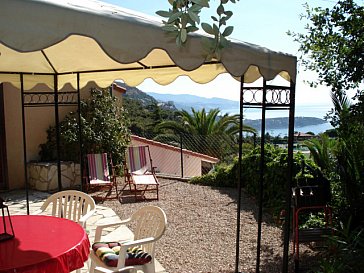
x=102, y=42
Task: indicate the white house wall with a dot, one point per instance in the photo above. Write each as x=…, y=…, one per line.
x=168, y=160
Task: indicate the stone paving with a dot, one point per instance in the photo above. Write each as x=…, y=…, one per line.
x=16, y=200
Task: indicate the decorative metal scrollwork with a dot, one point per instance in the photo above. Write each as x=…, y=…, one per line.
x=48, y=98
x=67, y=97
x=278, y=96
x=275, y=96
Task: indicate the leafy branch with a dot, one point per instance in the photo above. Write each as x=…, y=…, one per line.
x=184, y=18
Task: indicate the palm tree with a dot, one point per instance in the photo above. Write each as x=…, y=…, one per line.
x=322, y=151
x=206, y=132
x=350, y=153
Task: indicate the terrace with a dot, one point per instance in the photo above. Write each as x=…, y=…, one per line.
x=200, y=234
x=49, y=76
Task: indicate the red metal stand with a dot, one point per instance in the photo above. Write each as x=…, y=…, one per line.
x=312, y=234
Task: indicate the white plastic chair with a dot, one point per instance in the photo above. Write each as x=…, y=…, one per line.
x=70, y=204
x=150, y=225
x=128, y=269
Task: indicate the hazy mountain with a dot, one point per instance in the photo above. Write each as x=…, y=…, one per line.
x=186, y=101
x=280, y=123
x=178, y=102
x=145, y=99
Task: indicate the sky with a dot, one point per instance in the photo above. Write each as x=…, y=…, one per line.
x=261, y=22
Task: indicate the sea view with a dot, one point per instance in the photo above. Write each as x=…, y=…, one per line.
x=316, y=129
x=318, y=111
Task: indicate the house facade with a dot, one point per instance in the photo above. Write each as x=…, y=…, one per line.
x=174, y=161
x=37, y=119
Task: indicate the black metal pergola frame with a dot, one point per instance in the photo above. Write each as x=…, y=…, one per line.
x=54, y=99
x=266, y=97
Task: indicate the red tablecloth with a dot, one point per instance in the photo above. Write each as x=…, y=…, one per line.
x=44, y=244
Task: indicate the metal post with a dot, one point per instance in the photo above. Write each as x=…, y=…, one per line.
x=261, y=177
x=289, y=178
x=237, y=250
x=24, y=141
x=58, y=144
x=181, y=144
x=80, y=127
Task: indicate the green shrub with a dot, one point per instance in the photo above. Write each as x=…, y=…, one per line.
x=223, y=176
x=346, y=251
x=275, y=174
x=104, y=129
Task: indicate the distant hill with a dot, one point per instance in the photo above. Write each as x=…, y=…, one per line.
x=178, y=102
x=145, y=99
x=186, y=101
x=280, y=123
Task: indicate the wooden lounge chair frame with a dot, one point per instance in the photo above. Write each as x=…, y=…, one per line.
x=101, y=179
x=139, y=173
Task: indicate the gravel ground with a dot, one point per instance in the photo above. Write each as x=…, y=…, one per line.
x=201, y=232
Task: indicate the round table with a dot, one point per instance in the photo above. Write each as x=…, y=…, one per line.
x=44, y=244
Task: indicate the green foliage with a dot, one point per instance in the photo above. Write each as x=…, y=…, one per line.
x=224, y=175
x=314, y=220
x=145, y=118
x=275, y=174
x=322, y=152
x=333, y=47
x=104, y=129
x=349, y=155
x=184, y=17
x=334, y=44
x=346, y=251
x=213, y=134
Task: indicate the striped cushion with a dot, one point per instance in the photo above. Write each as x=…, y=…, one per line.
x=108, y=252
x=136, y=158
x=98, y=167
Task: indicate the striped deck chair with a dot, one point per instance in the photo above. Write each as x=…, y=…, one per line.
x=140, y=173
x=99, y=177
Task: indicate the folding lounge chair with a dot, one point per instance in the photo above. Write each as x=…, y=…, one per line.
x=99, y=178
x=139, y=172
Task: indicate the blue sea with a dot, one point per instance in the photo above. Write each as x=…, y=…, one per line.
x=318, y=111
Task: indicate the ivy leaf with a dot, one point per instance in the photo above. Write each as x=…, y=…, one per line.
x=202, y=3
x=195, y=8
x=169, y=28
x=191, y=29
x=174, y=17
x=194, y=16
x=228, y=30
x=228, y=14
x=216, y=30
x=183, y=35
x=184, y=20
x=223, y=42
x=207, y=28
x=164, y=13
x=222, y=21
x=220, y=9
x=178, y=39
